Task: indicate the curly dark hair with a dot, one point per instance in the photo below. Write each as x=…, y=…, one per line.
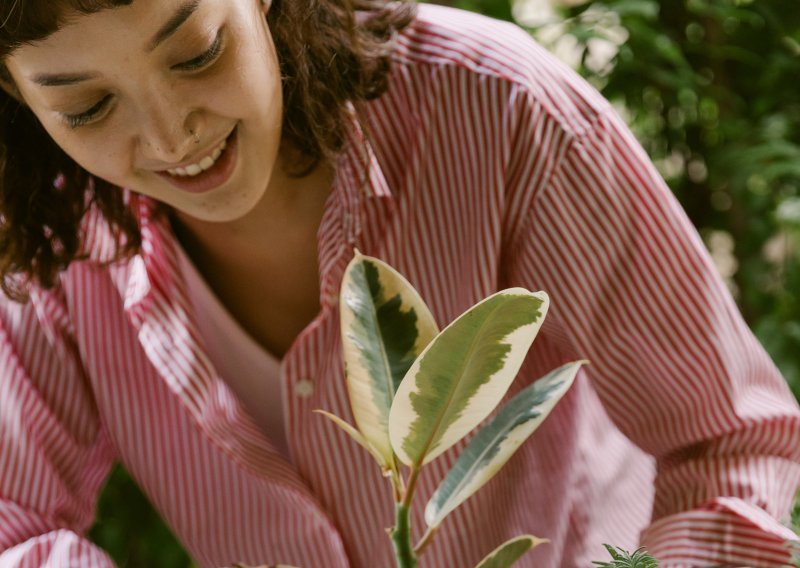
x=331, y=52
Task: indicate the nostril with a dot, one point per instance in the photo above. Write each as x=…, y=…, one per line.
x=166, y=152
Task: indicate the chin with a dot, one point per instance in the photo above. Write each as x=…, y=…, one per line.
x=223, y=209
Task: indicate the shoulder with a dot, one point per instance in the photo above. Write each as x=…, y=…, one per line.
x=483, y=50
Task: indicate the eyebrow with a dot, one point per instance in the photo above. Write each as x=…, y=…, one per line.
x=172, y=25
x=59, y=80
x=166, y=31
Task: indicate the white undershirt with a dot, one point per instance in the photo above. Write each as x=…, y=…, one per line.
x=251, y=371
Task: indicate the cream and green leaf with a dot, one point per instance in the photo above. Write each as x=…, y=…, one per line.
x=495, y=443
x=385, y=325
x=510, y=551
x=463, y=374
x=415, y=392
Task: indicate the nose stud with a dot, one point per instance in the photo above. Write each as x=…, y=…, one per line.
x=195, y=136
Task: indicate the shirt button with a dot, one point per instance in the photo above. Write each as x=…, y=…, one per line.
x=304, y=388
x=333, y=299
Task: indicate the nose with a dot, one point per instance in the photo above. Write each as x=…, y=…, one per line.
x=168, y=131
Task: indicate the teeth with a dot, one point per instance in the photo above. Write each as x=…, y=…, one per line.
x=202, y=165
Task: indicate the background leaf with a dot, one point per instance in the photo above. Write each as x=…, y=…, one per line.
x=623, y=559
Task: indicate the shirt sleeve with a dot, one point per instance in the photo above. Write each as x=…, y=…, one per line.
x=633, y=290
x=54, y=455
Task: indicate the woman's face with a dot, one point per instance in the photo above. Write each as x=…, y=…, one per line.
x=146, y=96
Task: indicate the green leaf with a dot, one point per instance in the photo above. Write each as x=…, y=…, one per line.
x=385, y=325
x=510, y=551
x=497, y=440
x=646, y=9
x=463, y=374
x=240, y=565
x=624, y=559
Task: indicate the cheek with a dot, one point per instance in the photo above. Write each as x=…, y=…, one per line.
x=256, y=72
x=100, y=156
x=96, y=153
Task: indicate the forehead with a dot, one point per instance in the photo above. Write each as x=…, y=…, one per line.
x=102, y=37
x=29, y=21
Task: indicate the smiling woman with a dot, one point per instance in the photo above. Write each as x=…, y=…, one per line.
x=122, y=113
x=189, y=79
x=182, y=186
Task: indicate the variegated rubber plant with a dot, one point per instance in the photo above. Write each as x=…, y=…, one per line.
x=416, y=391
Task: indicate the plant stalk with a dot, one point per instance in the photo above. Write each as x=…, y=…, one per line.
x=401, y=538
x=412, y=485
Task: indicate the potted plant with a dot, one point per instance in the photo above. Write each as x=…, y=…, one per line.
x=415, y=391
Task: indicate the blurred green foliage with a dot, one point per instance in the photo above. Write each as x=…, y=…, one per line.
x=130, y=530
x=709, y=88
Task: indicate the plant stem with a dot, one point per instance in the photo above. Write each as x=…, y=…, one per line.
x=398, y=483
x=412, y=485
x=401, y=539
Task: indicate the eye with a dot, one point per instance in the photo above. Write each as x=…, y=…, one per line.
x=204, y=59
x=87, y=116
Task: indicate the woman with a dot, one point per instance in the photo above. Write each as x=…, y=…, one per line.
x=183, y=183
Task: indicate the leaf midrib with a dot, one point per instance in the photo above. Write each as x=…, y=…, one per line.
x=462, y=483
x=453, y=390
x=382, y=344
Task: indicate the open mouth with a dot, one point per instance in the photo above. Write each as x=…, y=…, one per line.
x=210, y=172
x=205, y=164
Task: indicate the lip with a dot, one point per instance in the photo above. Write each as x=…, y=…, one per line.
x=212, y=178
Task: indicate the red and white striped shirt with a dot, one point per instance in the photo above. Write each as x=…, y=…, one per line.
x=490, y=165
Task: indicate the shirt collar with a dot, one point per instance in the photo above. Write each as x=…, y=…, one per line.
x=360, y=182
x=358, y=160
x=360, y=193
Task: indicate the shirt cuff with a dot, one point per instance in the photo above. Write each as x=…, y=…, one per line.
x=725, y=532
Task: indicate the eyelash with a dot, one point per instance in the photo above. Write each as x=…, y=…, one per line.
x=76, y=120
x=198, y=63
x=205, y=59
